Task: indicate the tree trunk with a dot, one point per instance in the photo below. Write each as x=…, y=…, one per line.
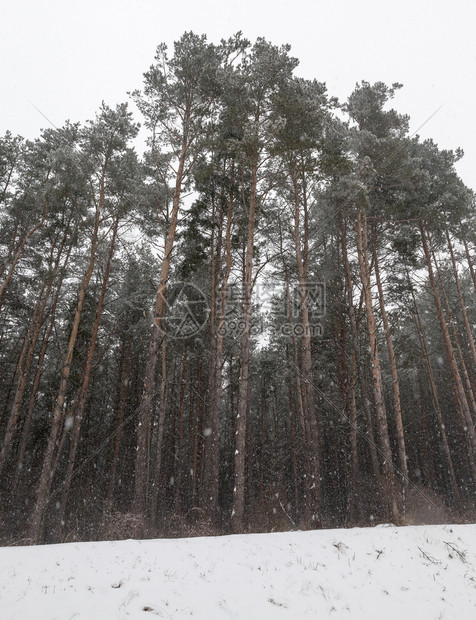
x=402, y=453
x=178, y=447
x=461, y=401
x=351, y=386
x=237, y=517
x=196, y=437
x=436, y=401
x=391, y=507
x=312, y=484
x=47, y=472
x=123, y=388
x=29, y=347
x=211, y=439
x=451, y=321
x=38, y=374
x=141, y=477
x=78, y=411
x=155, y=486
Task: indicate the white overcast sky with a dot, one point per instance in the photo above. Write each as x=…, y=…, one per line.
x=66, y=57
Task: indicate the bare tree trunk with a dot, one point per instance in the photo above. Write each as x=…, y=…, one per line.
x=295, y=366
x=294, y=457
x=47, y=473
x=462, y=403
x=155, y=485
x=211, y=439
x=141, y=478
x=451, y=321
x=312, y=484
x=211, y=414
x=178, y=447
x=371, y=442
x=402, y=453
x=425, y=452
x=382, y=424
x=351, y=387
x=123, y=388
x=196, y=437
x=37, y=379
x=237, y=517
x=21, y=372
x=29, y=347
x=83, y=392
x=436, y=401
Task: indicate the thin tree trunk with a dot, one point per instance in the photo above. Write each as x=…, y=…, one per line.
x=47, y=472
x=21, y=372
x=312, y=485
x=123, y=389
x=211, y=440
x=78, y=410
x=451, y=321
x=211, y=421
x=351, y=387
x=425, y=453
x=296, y=366
x=461, y=401
x=38, y=375
x=29, y=347
x=294, y=458
x=196, y=437
x=382, y=424
x=402, y=453
x=155, y=486
x=141, y=477
x=435, y=398
x=371, y=442
x=178, y=448
x=237, y=516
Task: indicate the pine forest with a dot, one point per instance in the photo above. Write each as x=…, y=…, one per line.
x=234, y=303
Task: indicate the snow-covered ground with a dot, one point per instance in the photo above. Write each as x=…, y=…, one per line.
x=385, y=573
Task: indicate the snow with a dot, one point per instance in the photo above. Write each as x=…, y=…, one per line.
x=425, y=572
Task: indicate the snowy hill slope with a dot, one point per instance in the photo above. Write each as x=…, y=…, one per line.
x=426, y=572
